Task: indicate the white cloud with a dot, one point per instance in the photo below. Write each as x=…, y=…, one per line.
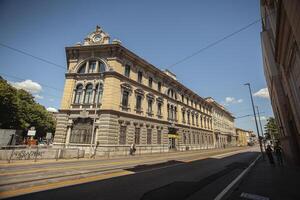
x=37, y=96
x=51, y=109
x=51, y=99
x=29, y=86
x=263, y=93
x=232, y=100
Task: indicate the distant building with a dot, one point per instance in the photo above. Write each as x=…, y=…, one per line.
x=223, y=125
x=243, y=137
x=135, y=102
x=281, y=56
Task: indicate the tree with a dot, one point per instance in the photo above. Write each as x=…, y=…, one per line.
x=18, y=110
x=271, y=129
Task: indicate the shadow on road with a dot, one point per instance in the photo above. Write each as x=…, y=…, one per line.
x=168, y=180
x=140, y=168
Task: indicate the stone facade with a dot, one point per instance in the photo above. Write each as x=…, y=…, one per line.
x=113, y=98
x=281, y=56
x=223, y=125
x=243, y=137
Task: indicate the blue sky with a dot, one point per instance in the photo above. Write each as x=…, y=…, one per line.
x=160, y=32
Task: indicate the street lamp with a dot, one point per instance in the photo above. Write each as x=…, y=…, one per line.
x=262, y=132
x=259, y=138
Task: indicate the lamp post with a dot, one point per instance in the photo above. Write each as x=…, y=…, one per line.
x=262, y=132
x=259, y=138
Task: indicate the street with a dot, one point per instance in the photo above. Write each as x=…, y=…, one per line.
x=183, y=175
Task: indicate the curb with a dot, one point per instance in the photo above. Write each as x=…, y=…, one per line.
x=229, y=188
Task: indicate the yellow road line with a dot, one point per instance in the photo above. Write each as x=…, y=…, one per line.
x=65, y=183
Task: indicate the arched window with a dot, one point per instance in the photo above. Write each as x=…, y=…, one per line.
x=92, y=66
x=88, y=94
x=82, y=69
x=98, y=93
x=78, y=94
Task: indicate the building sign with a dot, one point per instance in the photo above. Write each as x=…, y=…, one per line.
x=49, y=136
x=31, y=132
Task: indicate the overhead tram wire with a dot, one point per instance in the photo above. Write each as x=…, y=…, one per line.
x=176, y=63
x=214, y=43
x=33, y=56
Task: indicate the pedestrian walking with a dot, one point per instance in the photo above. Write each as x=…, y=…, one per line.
x=278, y=153
x=132, y=149
x=269, y=154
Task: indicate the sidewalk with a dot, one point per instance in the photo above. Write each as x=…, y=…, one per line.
x=265, y=181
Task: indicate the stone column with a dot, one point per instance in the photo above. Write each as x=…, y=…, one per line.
x=69, y=130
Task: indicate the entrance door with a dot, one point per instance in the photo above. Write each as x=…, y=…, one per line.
x=172, y=144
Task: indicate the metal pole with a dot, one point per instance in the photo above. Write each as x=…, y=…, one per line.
x=261, y=129
x=255, y=118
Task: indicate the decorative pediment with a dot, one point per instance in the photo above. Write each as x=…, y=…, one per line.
x=160, y=99
x=150, y=96
x=139, y=91
x=126, y=86
x=97, y=37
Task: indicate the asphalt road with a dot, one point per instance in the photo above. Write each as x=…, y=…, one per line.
x=174, y=179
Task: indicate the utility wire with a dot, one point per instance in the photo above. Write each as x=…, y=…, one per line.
x=214, y=43
x=33, y=56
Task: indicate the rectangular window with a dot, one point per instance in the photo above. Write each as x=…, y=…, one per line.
x=149, y=105
x=149, y=136
x=194, y=139
x=140, y=77
x=184, y=138
x=159, y=86
x=122, y=139
x=159, y=109
x=158, y=136
x=183, y=116
x=125, y=99
x=182, y=98
x=127, y=70
x=138, y=103
x=137, y=134
x=150, y=82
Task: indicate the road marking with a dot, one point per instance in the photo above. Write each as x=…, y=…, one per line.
x=47, y=186
x=60, y=184
x=253, y=196
x=226, y=190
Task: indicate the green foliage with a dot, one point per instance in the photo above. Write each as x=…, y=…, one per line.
x=18, y=110
x=271, y=129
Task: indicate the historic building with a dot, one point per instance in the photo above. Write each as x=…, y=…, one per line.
x=223, y=125
x=280, y=39
x=113, y=98
x=243, y=137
